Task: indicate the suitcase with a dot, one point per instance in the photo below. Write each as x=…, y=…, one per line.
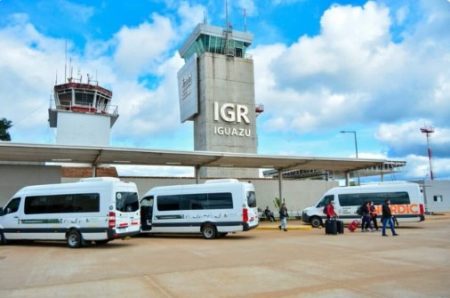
x=353, y=225
x=340, y=226
x=330, y=227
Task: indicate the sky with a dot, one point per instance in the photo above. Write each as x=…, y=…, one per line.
x=380, y=68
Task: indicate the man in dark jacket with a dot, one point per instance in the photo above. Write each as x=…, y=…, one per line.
x=283, y=217
x=365, y=219
x=387, y=217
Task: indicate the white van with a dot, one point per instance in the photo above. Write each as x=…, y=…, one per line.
x=213, y=209
x=93, y=209
x=407, y=202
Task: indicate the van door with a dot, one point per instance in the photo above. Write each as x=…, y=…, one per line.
x=147, y=213
x=127, y=217
x=11, y=220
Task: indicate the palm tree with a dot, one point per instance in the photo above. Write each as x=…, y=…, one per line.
x=5, y=124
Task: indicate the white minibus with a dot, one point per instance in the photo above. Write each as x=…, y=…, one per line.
x=213, y=208
x=93, y=209
x=407, y=202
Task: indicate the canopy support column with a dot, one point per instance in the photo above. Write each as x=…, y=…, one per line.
x=280, y=186
x=197, y=174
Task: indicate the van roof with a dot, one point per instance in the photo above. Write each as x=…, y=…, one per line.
x=377, y=185
x=83, y=183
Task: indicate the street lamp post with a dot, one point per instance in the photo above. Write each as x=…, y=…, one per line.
x=356, y=145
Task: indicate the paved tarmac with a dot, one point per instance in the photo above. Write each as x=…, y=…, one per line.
x=263, y=262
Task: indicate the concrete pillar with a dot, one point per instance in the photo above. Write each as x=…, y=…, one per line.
x=280, y=186
x=197, y=174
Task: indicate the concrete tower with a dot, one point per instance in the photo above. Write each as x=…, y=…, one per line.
x=82, y=114
x=217, y=92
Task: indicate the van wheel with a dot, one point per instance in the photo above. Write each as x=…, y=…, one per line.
x=209, y=231
x=2, y=238
x=74, y=239
x=316, y=222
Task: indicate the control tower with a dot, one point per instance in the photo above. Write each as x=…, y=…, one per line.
x=83, y=114
x=217, y=91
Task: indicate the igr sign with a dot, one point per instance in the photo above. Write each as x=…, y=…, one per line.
x=231, y=112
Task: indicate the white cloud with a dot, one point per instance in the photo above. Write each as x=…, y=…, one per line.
x=401, y=15
x=418, y=167
x=407, y=137
x=354, y=72
x=249, y=6
x=141, y=48
x=189, y=16
x=30, y=60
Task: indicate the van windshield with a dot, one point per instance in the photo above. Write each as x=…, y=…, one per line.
x=127, y=201
x=251, y=199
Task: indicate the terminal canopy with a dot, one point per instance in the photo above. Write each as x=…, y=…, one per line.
x=95, y=156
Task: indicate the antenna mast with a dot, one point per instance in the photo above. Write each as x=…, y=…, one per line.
x=227, y=21
x=245, y=20
x=65, y=61
x=427, y=131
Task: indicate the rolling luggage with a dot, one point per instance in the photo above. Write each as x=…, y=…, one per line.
x=353, y=225
x=330, y=227
x=340, y=226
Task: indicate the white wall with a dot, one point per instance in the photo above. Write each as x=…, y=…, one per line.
x=437, y=194
x=83, y=129
x=14, y=177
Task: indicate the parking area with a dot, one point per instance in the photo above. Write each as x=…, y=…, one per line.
x=263, y=262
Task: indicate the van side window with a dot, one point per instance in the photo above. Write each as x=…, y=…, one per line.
x=325, y=200
x=195, y=201
x=64, y=203
x=13, y=206
x=378, y=198
x=221, y=200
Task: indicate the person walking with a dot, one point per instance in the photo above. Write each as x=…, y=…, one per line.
x=386, y=218
x=283, y=217
x=373, y=215
x=365, y=220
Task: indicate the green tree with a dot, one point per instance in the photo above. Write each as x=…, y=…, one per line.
x=5, y=124
x=277, y=202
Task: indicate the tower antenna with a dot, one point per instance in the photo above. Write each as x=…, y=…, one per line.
x=427, y=131
x=71, y=70
x=245, y=20
x=205, y=17
x=65, y=61
x=227, y=21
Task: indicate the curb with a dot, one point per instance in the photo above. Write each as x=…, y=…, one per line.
x=295, y=228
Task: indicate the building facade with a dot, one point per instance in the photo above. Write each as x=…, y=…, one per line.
x=217, y=92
